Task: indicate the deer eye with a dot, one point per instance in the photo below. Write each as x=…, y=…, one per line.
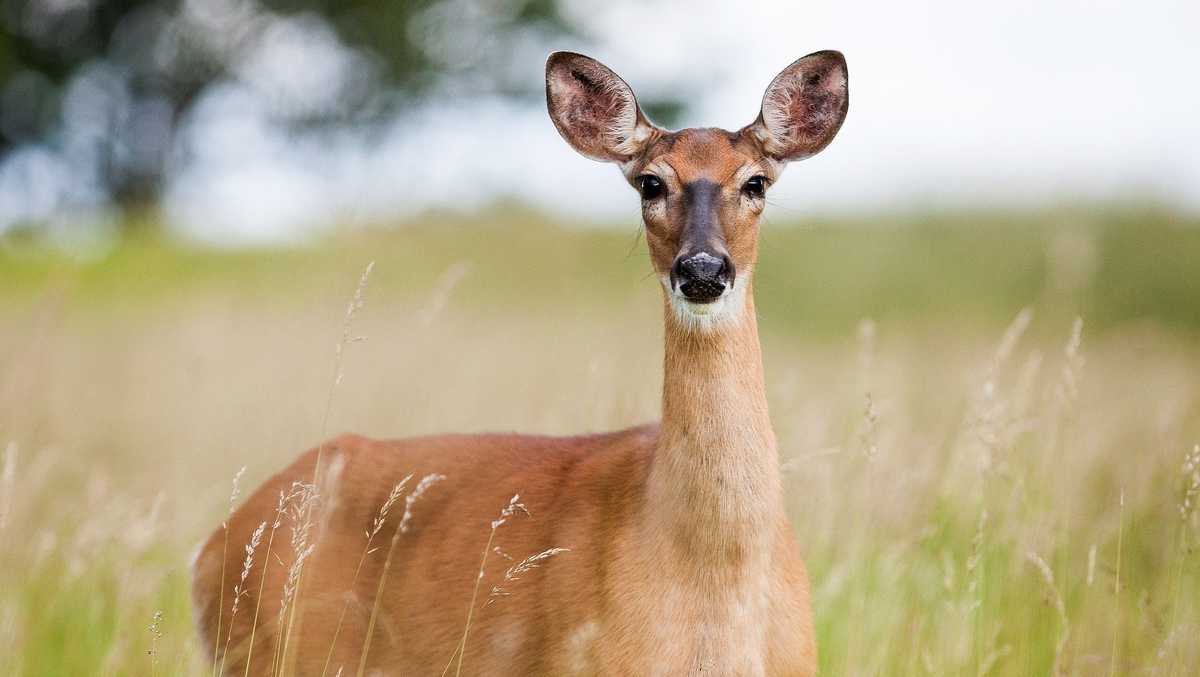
x=649, y=186
x=756, y=186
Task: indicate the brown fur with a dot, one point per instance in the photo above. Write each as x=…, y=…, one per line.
x=681, y=558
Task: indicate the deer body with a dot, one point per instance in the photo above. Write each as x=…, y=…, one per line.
x=681, y=559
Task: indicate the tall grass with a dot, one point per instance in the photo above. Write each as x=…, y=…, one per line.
x=977, y=489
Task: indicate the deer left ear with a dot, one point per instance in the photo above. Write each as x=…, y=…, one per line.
x=804, y=107
x=593, y=108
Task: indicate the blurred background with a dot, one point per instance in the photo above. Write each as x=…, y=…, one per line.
x=251, y=121
x=980, y=306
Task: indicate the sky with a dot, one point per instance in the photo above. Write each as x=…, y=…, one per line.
x=952, y=104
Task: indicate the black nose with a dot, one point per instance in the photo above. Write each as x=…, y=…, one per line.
x=702, y=277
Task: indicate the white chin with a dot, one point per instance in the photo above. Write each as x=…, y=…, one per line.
x=710, y=309
x=724, y=311
x=708, y=316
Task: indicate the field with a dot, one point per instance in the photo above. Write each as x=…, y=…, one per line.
x=984, y=419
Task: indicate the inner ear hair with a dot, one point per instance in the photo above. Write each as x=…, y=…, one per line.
x=804, y=107
x=593, y=109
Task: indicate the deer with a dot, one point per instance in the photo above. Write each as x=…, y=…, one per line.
x=680, y=558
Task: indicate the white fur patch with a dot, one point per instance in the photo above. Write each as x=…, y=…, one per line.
x=507, y=641
x=579, y=648
x=707, y=317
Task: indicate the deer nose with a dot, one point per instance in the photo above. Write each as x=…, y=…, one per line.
x=702, y=277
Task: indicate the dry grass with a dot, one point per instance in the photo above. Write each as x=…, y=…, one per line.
x=970, y=499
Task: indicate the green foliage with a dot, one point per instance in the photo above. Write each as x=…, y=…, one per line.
x=817, y=277
x=135, y=60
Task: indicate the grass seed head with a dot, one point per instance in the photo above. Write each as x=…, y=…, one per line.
x=422, y=486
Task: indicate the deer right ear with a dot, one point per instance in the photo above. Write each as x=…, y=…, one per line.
x=594, y=110
x=804, y=107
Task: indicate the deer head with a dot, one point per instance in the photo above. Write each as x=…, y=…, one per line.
x=702, y=189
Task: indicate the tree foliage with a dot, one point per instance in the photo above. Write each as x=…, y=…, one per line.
x=107, y=84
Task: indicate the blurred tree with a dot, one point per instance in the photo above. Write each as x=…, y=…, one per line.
x=105, y=85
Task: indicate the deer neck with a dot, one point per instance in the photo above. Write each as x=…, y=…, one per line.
x=714, y=487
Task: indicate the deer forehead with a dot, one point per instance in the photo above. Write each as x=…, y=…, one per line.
x=701, y=153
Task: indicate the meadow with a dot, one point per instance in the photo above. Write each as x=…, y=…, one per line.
x=989, y=422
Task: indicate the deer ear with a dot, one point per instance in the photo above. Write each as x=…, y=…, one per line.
x=593, y=109
x=804, y=107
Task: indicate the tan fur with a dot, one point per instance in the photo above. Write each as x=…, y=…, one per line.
x=681, y=562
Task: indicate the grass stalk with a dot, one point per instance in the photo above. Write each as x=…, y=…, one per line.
x=239, y=590
x=233, y=496
x=379, y=522
x=513, y=507
x=1112, y=656
x=347, y=337
x=401, y=528
x=262, y=584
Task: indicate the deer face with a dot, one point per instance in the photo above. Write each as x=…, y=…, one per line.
x=702, y=190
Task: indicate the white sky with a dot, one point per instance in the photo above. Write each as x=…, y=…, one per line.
x=952, y=103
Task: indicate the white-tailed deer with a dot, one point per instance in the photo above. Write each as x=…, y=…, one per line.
x=681, y=558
